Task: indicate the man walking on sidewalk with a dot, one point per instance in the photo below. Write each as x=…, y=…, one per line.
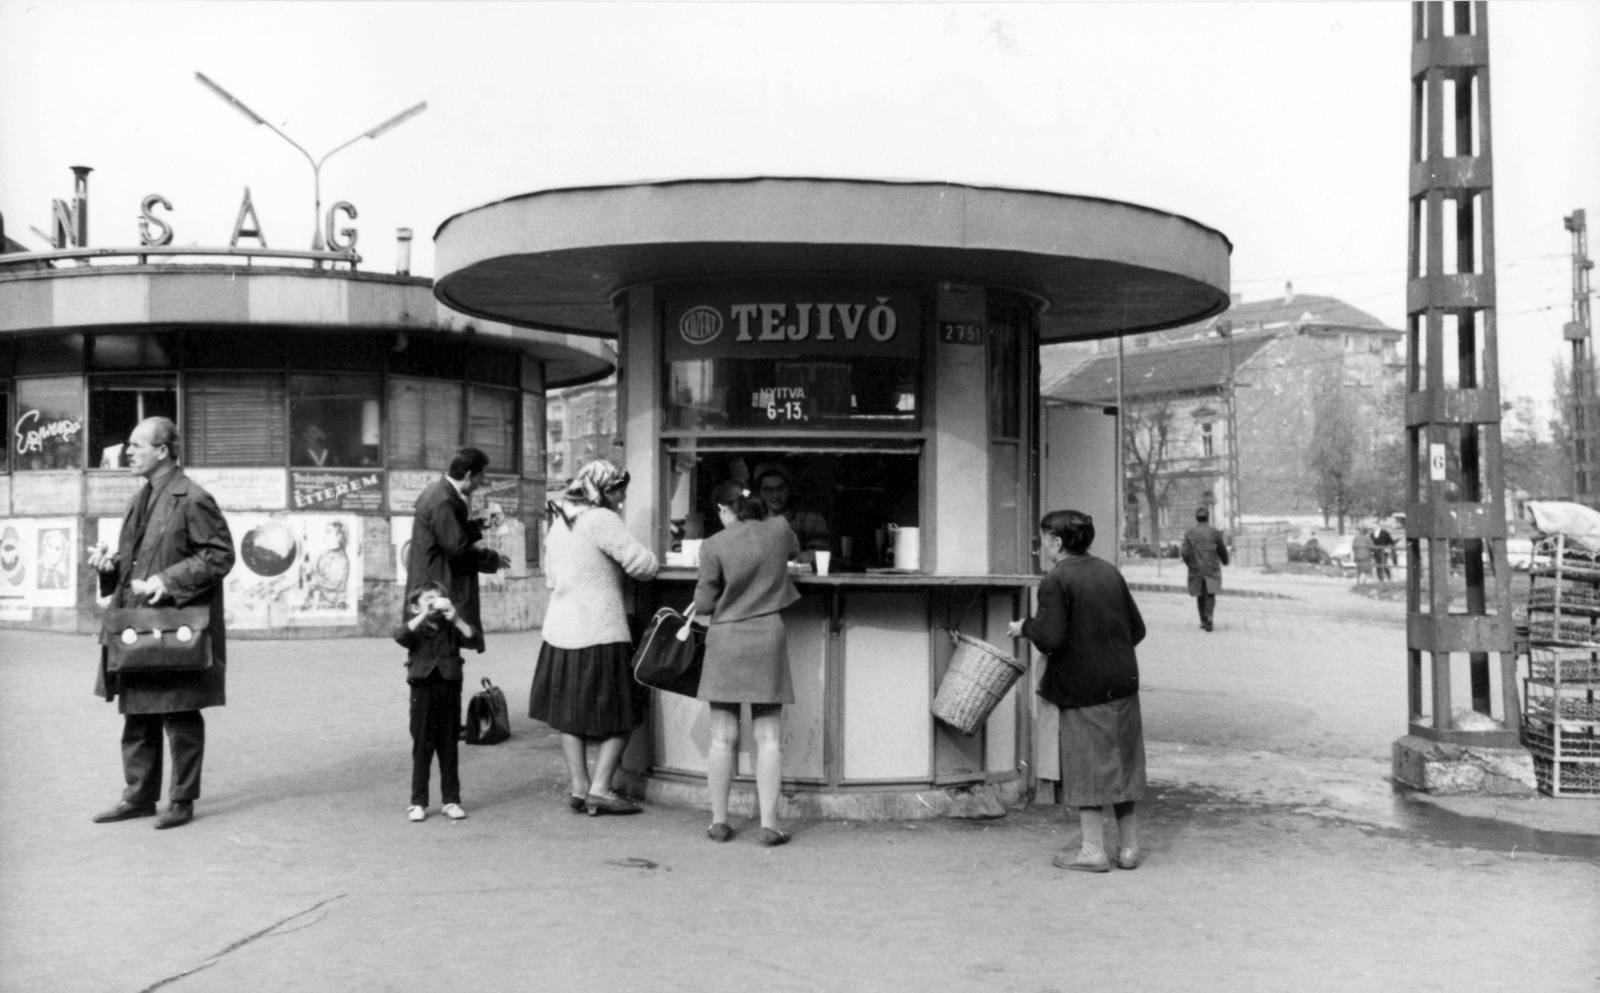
x=1205, y=553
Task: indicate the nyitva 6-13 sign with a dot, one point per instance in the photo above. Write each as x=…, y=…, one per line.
x=785, y=320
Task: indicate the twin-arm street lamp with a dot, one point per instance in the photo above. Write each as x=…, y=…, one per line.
x=317, y=244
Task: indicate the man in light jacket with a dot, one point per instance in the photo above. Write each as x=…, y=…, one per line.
x=1205, y=552
x=174, y=551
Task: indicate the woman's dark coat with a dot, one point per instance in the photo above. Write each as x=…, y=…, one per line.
x=1087, y=625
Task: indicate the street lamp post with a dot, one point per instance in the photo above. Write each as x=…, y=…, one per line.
x=317, y=243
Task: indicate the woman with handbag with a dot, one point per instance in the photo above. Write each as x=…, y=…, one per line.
x=583, y=684
x=744, y=584
x=1087, y=625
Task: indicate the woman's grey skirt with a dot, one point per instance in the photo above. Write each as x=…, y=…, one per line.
x=1102, y=753
x=747, y=662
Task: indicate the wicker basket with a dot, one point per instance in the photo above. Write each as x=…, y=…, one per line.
x=979, y=675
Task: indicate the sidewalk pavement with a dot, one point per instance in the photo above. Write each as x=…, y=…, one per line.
x=1279, y=857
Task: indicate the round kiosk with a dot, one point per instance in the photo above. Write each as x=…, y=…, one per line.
x=314, y=401
x=878, y=343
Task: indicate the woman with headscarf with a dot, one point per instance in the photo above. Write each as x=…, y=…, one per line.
x=1087, y=625
x=583, y=685
x=744, y=584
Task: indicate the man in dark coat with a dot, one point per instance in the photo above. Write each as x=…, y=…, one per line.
x=174, y=551
x=1205, y=553
x=444, y=541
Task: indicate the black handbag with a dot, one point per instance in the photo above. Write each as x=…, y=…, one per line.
x=488, y=718
x=671, y=654
x=157, y=639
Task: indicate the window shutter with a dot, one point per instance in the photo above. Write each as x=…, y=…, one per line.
x=235, y=421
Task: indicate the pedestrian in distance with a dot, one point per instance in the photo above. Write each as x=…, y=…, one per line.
x=447, y=548
x=583, y=684
x=743, y=587
x=1383, y=544
x=1087, y=626
x=174, y=551
x=1205, y=552
x=1363, y=555
x=433, y=636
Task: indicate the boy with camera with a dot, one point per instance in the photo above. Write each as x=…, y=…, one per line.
x=433, y=636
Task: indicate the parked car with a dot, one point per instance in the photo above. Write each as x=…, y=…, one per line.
x=1342, y=552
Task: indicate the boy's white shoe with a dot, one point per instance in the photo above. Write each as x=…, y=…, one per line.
x=415, y=813
x=454, y=811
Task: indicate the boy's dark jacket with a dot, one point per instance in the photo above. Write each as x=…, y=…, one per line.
x=435, y=644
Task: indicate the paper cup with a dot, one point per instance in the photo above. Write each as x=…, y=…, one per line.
x=824, y=559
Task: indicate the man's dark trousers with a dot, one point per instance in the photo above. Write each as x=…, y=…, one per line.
x=435, y=726
x=141, y=755
x=1208, y=605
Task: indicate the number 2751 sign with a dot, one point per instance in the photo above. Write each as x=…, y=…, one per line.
x=961, y=333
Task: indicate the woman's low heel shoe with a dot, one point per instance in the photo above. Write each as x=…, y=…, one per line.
x=1082, y=862
x=719, y=832
x=576, y=804
x=773, y=837
x=598, y=805
x=1128, y=858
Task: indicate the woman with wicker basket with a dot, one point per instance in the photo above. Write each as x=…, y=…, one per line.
x=1087, y=625
x=744, y=584
x=583, y=685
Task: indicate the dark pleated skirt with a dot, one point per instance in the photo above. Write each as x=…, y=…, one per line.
x=589, y=692
x=1102, y=753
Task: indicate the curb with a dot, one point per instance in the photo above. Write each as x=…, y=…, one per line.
x=1251, y=594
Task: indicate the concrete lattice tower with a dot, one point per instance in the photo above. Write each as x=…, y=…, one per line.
x=1456, y=504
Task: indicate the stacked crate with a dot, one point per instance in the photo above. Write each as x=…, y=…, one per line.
x=1560, y=713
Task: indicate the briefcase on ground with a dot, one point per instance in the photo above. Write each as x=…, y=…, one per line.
x=488, y=718
x=157, y=639
x=671, y=653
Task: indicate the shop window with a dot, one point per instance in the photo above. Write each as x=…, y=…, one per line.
x=235, y=421
x=863, y=394
x=532, y=435
x=424, y=428
x=134, y=351
x=233, y=349
x=117, y=405
x=335, y=421
x=495, y=367
x=48, y=430
x=492, y=426
x=43, y=354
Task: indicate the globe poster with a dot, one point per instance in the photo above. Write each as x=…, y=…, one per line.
x=294, y=570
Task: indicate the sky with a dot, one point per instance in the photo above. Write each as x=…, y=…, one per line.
x=1284, y=125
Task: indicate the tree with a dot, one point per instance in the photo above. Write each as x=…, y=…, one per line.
x=1340, y=454
x=1146, y=439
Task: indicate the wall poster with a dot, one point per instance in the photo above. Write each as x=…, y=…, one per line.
x=38, y=565
x=400, y=540
x=405, y=485
x=294, y=570
x=243, y=489
x=336, y=489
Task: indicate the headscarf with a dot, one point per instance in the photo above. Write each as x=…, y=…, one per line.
x=593, y=481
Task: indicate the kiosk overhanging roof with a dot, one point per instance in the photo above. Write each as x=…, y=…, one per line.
x=554, y=259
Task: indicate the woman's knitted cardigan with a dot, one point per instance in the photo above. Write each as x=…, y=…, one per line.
x=584, y=566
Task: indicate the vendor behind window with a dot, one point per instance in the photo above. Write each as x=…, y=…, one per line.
x=774, y=483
